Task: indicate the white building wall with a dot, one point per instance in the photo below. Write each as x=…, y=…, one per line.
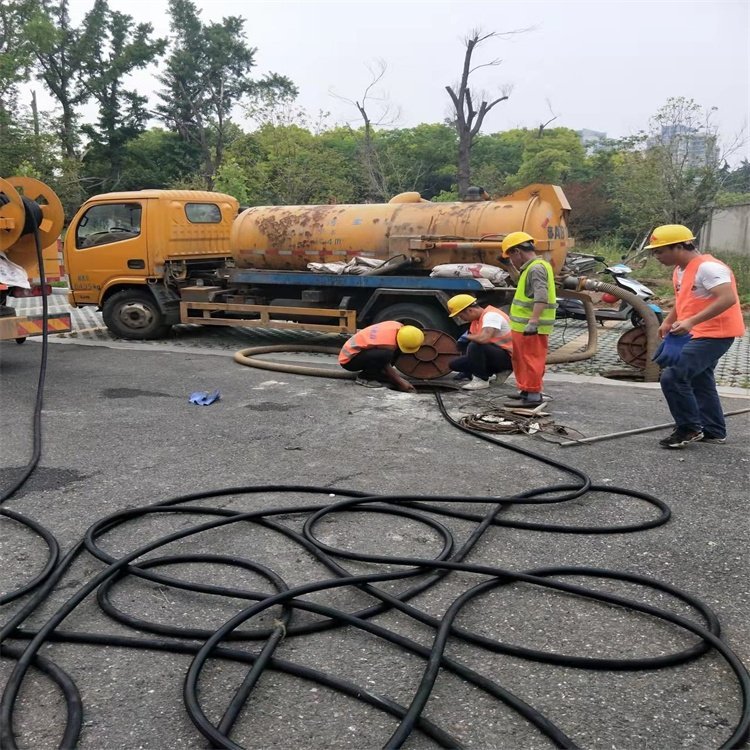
x=727, y=230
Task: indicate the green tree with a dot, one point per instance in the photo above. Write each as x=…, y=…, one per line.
x=639, y=195
x=26, y=146
x=551, y=156
x=114, y=46
x=15, y=50
x=736, y=180
x=420, y=158
x=684, y=142
x=495, y=157
x=300, y=168
x=206, y=75
x=157, y=159
x=59, y=60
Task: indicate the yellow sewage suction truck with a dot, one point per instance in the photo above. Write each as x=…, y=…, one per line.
x=153, y=258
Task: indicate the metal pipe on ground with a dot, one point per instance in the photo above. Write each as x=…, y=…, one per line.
x=637, y=431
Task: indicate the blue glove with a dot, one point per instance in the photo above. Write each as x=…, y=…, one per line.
x=463, y=341
x=670, y=349
x=203, y=398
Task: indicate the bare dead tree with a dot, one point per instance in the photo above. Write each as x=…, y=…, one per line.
x=543, y=125
x=468, y=120
x=386, y=114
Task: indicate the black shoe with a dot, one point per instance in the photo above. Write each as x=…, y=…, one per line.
x=680, y=438
x=710, y=438
x=520, y=396
x=528, y=402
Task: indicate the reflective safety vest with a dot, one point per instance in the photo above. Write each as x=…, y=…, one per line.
x=502, y=340
x=523, y=305
x=725, y=325
x=381, y=334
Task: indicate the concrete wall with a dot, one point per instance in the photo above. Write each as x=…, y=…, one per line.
x=727, y=230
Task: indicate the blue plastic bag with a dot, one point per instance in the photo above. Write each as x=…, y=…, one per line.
x=204, y=398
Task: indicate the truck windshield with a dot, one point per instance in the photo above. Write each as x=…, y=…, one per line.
x=108, y=222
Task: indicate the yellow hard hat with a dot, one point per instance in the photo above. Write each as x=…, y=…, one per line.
x=458, y=303
x=513, y=240
x=409, y=339
x=669, y=234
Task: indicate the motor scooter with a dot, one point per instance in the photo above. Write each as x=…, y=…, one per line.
x=619, y=276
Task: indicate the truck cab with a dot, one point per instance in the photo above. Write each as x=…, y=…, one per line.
x=130, y=252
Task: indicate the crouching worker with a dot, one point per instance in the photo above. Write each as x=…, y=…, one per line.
x=373, y=350
x=489, y=347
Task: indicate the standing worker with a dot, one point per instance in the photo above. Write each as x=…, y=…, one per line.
x=707, y=313
x=373, y=350
x=489, y=342
x=532, y=316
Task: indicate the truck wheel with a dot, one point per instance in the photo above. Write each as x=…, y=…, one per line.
x=422, y=316
x=134, y=314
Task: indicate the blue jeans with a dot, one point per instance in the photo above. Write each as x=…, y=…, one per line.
x=482, y=360
x=690, y=388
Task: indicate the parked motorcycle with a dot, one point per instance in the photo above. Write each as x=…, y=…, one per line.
x=619, y=275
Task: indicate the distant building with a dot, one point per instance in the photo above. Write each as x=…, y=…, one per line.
x=693, y=148
x=592, y=140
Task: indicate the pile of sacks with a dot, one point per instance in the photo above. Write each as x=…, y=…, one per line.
x=355, y=267
x=496, y=276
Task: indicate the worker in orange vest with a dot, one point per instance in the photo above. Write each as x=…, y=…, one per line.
x=488, y=351
x=707, y=318
x=373, y=351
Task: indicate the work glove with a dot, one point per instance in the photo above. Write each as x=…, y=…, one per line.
x=204, y=398
x=669, y=351
x=531, y=329
x=462, y=341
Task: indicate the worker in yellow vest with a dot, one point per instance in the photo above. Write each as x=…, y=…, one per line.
x=706, y=318
x=489, y=346
x=373, y=351
x=532, y=315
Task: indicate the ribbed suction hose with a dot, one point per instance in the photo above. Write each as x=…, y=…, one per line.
x=650, y=321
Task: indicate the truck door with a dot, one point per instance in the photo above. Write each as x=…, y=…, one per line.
x=106, y=242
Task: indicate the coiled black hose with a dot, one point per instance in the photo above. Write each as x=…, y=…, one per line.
x=419, y=575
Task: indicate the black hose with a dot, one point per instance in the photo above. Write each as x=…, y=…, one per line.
x=418, y=574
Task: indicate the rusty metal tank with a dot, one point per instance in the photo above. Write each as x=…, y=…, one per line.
x=289, y=237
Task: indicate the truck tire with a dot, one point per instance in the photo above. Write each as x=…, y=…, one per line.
x=422, y=316
x=134, y=314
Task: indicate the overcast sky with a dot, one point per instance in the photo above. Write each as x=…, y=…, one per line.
x=605, y=65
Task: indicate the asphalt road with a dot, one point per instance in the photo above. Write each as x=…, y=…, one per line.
x=119, y=433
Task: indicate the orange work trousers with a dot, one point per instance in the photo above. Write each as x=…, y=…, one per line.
x=529, y=360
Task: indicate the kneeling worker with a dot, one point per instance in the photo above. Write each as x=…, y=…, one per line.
x=489, y=342
x=373, y=350
x=532, y=315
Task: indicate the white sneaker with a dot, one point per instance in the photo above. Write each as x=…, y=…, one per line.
x=476, y=384
x=501, y=377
